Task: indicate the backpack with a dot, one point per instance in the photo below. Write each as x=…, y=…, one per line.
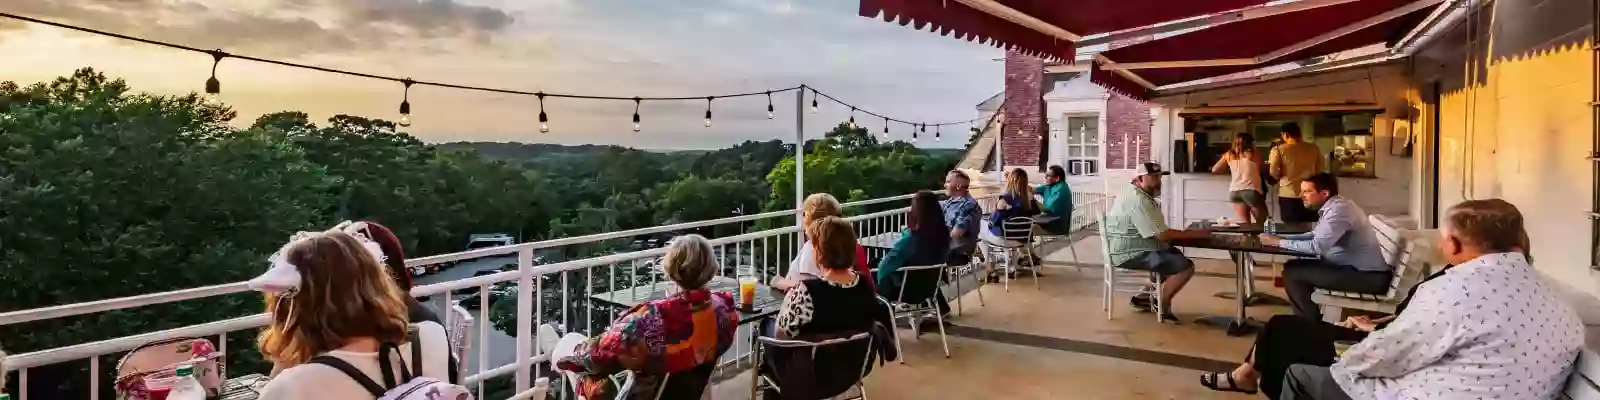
x=410, y=386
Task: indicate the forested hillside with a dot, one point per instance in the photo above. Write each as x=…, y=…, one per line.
x=108, y=192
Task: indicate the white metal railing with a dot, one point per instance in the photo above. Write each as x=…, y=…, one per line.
x=17, y=317
x=768, y=252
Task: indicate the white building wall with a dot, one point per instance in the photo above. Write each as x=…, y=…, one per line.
x=1516, y=80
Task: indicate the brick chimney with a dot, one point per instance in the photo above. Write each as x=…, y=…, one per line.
x=1024, y=107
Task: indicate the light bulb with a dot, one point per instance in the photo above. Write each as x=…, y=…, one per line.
x=708, y=122
x=213, y=98
x=405, y=113
x=769, y=112
x=213, y=89
x=636, y=127
x=544, y=127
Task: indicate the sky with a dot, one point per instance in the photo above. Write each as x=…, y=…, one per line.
x=592, y=47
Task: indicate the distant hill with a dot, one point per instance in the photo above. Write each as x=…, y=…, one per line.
x=765, y=153
x=522, y=151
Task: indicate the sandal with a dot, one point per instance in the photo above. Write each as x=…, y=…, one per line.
x=1209, y=380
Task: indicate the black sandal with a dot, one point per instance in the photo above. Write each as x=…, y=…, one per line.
x=1209, y=380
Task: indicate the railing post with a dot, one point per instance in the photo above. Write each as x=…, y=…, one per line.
x=799, y=159
x=525, y=318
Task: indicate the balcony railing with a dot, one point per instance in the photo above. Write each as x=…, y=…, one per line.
x=561, y=293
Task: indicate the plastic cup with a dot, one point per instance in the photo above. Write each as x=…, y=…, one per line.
x=159, y=384
x=747, y=292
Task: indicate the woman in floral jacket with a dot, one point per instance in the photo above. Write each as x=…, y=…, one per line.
x=682, y=335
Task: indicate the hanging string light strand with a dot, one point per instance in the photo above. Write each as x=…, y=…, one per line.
x=213, y=86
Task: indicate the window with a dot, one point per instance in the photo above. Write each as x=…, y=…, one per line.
x=1083, y=145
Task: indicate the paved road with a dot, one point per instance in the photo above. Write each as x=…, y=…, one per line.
x=502, y=347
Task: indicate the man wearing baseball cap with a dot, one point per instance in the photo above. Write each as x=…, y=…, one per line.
x=1137, y=236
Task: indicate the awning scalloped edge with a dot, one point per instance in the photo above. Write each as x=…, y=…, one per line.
x=958, y=20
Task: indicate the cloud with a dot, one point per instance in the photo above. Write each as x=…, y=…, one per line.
x=593, y=47
x=424, y=17
x=279, y=27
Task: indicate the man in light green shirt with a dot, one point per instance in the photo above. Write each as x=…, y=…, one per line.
x=1137, y=238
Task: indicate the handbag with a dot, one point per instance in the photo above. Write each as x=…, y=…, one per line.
x=166, y=356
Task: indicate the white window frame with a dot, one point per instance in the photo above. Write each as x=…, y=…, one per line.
x=1095, y=155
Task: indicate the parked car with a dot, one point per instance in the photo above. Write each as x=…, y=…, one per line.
x=496, y=293
x=419, y=270
x=487, y=240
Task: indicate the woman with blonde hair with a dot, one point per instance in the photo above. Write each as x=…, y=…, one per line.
x=330, y=301
x=1017, y=201
x=681, y=335
x=1244, y=189
x=804, y=266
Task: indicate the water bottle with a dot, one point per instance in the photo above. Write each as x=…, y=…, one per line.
x=187, y=387
x=1271, y=227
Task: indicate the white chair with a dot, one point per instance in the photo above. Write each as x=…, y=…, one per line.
x=559, y=347
x=540, y=391
x=971, y=268
x=915, y=312
x=457, y=322
x=795, y=345
x=1128, y=281
x=1017, y=233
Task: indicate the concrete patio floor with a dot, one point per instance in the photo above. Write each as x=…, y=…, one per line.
x=1054, y=341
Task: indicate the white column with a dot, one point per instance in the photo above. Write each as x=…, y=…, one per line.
x=799, y=159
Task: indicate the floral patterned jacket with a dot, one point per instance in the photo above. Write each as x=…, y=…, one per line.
x=656, y=338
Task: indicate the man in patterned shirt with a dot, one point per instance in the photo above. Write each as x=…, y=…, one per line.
x=962, y=216
x=1490, y=327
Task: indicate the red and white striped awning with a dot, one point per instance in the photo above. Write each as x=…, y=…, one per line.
x=1192, y=40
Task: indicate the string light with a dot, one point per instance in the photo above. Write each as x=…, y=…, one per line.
x=935, y=132
x=214, y=86
x=885, y=128
x=544, y=120
x=636, y=102
x=924, y=129
x=405, y=103
x=708, y=110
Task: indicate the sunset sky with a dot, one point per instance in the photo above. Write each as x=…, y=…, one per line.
x=598, y=47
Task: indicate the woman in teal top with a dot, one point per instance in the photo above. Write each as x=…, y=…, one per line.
x=1057, y=200
x=926, y=241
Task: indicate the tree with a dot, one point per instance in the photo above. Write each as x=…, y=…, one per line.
x=106, y=193
x=853, y=166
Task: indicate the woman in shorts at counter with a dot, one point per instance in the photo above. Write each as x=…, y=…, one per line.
x=1244, y=190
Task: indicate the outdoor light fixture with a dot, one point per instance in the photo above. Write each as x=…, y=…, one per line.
x=769, y=104
x=544, y=120
x=214, y=86
x=405, y=103
x=636, y=126
x=708, y=110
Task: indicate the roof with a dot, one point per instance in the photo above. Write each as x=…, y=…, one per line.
x=992, y=104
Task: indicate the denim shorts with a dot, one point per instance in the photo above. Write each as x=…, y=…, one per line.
x=1165, y=262
x=1247, y=196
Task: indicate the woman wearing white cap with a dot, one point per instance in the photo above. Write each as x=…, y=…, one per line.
x=329, y=297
